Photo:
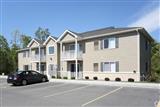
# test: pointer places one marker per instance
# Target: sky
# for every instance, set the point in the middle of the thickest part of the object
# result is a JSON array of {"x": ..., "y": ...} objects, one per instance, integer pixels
[{"x": 77, "y": 15}]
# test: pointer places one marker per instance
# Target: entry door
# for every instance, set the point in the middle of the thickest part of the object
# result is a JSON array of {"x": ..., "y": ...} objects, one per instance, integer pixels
[{"x": 73, "y": 68}]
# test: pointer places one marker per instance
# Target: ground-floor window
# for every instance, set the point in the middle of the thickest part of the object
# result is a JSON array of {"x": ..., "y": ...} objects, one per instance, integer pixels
[
  {"x": 95, "y": 67},
  {"x": 42, "y": 67},
  {"x": 109, "y": 66},
  {"x": 25, "y": 67}
]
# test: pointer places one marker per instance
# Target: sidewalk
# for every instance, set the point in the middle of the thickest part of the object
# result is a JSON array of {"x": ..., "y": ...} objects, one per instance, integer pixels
[
  {"x": 110, "y": 83},
  {"x": 3, "y": 76}
]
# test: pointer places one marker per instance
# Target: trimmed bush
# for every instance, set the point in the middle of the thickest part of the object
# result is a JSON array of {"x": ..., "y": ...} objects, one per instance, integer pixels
[
  {"x": 72, "y": 78},
  {"x": 86, "y": 77},
  {"x": 117, "y": 79},
  {"x": 107, "y": 79},
  {"x": 65, "y": 77},
  {"x": 95, "y": 78},
  {"x": 130, "y": 80},
  {"x": 53, "y": 76}
]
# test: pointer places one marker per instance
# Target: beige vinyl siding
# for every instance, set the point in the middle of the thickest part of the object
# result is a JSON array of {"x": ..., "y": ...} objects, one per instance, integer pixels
[{"x": 126, "y": 54}]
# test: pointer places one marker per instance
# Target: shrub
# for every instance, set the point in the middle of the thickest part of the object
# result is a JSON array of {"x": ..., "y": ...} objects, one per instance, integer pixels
[
  {"x": 117, "y": 79},
  {"x": 86, "y": 77},
  {"x": 72, "y": 78},
  {"x": 107, "y": 79},
  {"x": 65, "y": 77},
  {"x": 130, "y": 80},
  {"x": 95, "y": 78},
  {"x": 53, "y": 76}
]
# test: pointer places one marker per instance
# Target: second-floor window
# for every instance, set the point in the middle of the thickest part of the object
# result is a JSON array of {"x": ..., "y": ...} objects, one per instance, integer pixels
[
  {"x": 26, "y": 54},
  {"x": 51, "y": 50},
  {"x": 108, "y": 43},
  {"x": 96, "y": 45}
]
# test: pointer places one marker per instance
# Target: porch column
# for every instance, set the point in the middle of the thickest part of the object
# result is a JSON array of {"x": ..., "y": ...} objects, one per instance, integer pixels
[
  {"x": 76, "y": 58},
  {"x": 39, "y": 59},
  {"x": 60, "y": 67},
  {"x": 30, "y": 57}
]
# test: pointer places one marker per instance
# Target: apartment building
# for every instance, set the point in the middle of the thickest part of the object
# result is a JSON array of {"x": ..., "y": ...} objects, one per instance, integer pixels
[{"x": 103, "y": 54}]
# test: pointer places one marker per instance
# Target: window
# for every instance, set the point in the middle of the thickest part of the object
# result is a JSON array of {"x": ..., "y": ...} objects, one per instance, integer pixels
[
  {"x": 96, "y": 45},
  {"x": 37, "y": 66},
  {"x": 25, "y": 67},
  {"x": 37, "y": 51},
  {"x": 24, "y": 54},
  {"x": 109, "y": 66},
  {"x": 146, "y": 45},
  {"x": 51, "y": 50},
  {"x": 72, "y": 47},
  {"x": 108, "y": 43},
  {"x": 95, "y": 67}
]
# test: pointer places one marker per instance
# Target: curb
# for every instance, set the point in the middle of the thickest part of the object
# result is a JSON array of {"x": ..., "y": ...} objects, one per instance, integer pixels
[
  {"x": 110, "y": 83},
  {"x": 1, "y": 76}
]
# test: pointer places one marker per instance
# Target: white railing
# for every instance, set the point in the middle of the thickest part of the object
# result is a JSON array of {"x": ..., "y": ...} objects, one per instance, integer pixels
[
  {"x": 36, "y": 58},
  {"x": 70, "y": 54}
]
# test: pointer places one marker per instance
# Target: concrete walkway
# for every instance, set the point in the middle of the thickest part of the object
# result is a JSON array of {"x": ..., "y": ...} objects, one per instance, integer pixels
[{"x": 110, "y": 83}]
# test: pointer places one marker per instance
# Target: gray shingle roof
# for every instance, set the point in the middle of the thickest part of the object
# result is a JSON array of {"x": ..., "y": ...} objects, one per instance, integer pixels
[{"x": 102, "y": 31}]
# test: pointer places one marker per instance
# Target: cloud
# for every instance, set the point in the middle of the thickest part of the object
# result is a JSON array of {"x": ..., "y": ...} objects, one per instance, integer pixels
[{"x": 149, "y": 20}]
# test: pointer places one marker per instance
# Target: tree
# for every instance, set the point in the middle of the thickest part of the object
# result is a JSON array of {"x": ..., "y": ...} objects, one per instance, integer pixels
[
  {"x": 16, "y": 37},
  {"x": 42, "y": 34},
  {"x": 25, "y": 40},
  {"x": 155, "y": 62},
  {"x": 5, "y": 58}
]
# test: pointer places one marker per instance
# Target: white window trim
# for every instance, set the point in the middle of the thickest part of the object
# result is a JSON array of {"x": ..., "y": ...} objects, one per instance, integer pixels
[
  {"x": 109, "y": 63},
  {"x": 108, "y": 42},
  {"x": 48, "y": 49}
]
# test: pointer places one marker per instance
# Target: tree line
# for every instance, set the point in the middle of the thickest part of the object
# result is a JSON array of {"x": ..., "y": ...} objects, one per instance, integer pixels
[
  {"x": 8, "y": 51},
  {"x": 9, "y": 57}
]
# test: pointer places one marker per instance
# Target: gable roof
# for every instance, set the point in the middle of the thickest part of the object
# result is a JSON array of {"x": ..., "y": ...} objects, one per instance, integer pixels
[
  {"x": 65, "y": 32},
  {"x": 39, "y": 42},
  {"x": 50, "y": 37}
]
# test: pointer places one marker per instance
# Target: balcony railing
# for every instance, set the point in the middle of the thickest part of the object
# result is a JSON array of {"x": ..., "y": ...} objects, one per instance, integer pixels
[
  {"x": 36, "y": 58},
  {"x": 70, "y": 54}
]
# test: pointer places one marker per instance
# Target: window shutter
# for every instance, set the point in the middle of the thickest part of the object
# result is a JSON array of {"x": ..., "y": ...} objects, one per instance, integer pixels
[
  {"x": 102, "y": 44},
  {"x": 117, "y": 42},
  {"x": 101, "y": 66},
  {"x": 117, "y": 66}
]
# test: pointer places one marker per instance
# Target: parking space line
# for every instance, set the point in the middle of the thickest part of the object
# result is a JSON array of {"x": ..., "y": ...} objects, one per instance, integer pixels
[
  {"x": 91, "y": 101},
  {"x": 67, "y": 91},
  {"x": 59, "y": 85}
]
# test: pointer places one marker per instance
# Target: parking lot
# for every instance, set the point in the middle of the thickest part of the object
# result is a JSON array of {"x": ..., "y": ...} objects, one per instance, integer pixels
[{"x": 54, "y": 94}]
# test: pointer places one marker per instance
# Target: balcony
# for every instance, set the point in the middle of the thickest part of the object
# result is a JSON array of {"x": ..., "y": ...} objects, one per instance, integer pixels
[
  {"x": 35, "y": 58},
  {"x": 70, "y": 55}
]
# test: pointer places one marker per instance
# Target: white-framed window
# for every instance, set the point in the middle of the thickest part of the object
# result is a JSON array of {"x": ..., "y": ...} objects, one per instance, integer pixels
[
  {"x": 95, "y": 67},
  {"x": 96, "y": 45},
  {"x": 109, "y": 66},
  {"x": 51, "y": 50},
  {"x": 24, "y": 54},
  {"x": 109, "y": 43}
]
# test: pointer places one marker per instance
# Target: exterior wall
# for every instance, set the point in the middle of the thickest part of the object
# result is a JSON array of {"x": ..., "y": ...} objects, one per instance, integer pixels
[
  {"x": 126, "y": 54},
  {"x": 145, "y": 56},
  {"x": 34, "y": 44},
  {"x": 51, "y": 59},
  {"x": 67, "y": 38},
  {"x": 23, "y": 61}
]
